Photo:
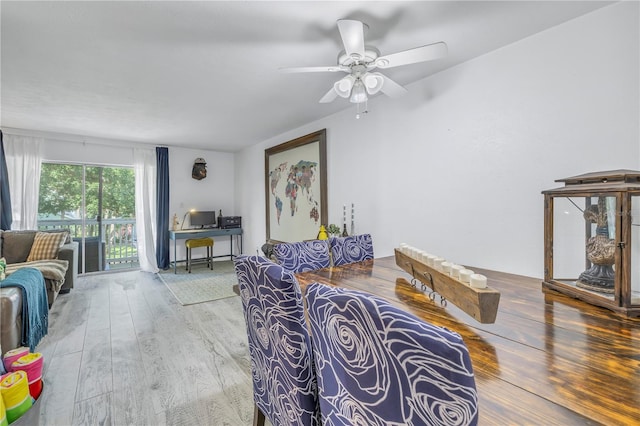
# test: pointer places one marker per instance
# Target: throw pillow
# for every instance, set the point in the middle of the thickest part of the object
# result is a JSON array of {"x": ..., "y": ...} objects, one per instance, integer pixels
[
  {"x": 65, "y": 230},
  {"x": 16, "y": 245},
  {"x": 46, "y": 245},
  {"x": 3, "y": 266}
]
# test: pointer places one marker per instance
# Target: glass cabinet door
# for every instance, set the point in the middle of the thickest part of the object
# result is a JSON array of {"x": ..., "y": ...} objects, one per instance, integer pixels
[
  {"x": 635, "y": 249},
  {"x": 584, "y": 243}
]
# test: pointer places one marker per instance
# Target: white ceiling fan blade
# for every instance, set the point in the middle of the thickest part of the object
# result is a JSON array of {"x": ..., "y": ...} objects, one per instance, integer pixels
[
  {"x": 352, "y": 33},
  {"x": 332, "y": 68},
  {"x": 330, "y": 96},
  {"x": 412, "y": 56},
  {"x": 391, "y": 88}
]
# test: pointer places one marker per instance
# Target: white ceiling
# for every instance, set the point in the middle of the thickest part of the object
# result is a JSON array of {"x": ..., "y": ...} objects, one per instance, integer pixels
[{"x": 205, "y": 74}]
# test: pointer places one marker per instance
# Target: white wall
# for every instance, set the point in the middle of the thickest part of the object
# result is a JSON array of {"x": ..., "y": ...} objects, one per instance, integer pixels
[
  {"x": 456, "y": 167},
  {"x": 215, "y": 192}
]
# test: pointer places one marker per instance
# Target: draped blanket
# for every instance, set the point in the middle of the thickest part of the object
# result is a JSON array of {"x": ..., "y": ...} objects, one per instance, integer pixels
[
  {"x": 35, "y": 309},
  {"x": 53, "y": 270}
]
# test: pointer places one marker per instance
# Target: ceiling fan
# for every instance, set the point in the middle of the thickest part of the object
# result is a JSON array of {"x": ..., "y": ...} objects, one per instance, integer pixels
[{"x": 359, "y": 61}]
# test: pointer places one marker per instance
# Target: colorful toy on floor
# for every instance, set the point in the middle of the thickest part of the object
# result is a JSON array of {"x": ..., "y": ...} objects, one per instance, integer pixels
[
  {"x": 14, "y": 388},
  {"x": 32, "y": 365}
]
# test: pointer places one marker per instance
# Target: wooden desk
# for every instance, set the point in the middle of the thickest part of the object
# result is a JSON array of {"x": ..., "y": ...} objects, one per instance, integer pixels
[
  {"x": 202, "y": 233},
  {"x": 547, "y": 360}
]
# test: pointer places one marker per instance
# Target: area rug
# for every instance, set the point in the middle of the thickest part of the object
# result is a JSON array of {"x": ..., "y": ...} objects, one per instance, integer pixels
[{"x": 202, "y": 284}]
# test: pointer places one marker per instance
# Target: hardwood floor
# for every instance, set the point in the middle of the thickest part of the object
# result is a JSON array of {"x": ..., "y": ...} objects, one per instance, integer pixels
[{"x": 122, "y": 351}]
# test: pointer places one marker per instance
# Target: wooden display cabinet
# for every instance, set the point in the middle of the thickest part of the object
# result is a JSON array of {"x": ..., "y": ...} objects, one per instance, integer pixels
[{"x": 592, "y": 239}]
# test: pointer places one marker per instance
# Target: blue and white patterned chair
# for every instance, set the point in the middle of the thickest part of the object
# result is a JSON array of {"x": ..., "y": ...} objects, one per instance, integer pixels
[
  {"x": 284, "y": 380},
  {"x": 303, "y": 256},
  {"x": 351, "y": 249},
  {"x": 379, "y": 365}
]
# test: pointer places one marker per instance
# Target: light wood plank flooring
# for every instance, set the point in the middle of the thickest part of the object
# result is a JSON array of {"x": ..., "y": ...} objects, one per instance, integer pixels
[{"x": 122, "y": 351}]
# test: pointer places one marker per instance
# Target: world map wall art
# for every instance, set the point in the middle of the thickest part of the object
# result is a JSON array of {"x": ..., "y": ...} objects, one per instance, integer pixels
[{"x": 296, "y": 188}]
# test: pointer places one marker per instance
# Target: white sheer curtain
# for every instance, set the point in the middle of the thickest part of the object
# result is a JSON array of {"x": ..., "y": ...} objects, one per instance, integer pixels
[
  {"x": 145, "y": 169},
  {"x": 24, "y": 156}
]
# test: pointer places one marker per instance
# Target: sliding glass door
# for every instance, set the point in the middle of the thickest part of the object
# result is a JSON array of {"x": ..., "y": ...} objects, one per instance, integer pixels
[{"x": 97, "y": 205}]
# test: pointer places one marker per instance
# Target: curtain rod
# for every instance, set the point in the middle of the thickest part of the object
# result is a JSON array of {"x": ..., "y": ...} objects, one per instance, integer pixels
[{"x": 63, "y": 137}]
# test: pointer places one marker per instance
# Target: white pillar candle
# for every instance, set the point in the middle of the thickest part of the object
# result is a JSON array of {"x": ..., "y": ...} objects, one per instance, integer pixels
[
  {"x": 446, "y": 267},
  {"x": 430, "y": 259},
  {"x": 455, "y": 271},
  {"x": 437, "y": 263},
  {"x": 478, "y": 281},
  {"x": 353, "y": 219},
  {"x": 403, "y": 248},
  {"x": 465, "y": 275},
  {"x": 344, "y": 215}
]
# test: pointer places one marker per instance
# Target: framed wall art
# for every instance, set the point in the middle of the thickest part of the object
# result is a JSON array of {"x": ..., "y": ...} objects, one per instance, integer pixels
[{"x": 296, "y": 188}]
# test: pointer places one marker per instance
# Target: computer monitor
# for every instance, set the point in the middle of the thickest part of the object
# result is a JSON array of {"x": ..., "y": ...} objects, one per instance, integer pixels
[{"x": 203, "y": 219}]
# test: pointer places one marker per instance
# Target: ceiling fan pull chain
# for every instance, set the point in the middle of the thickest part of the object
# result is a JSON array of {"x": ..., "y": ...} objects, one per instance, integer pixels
[{"x": 366, "y": 108}]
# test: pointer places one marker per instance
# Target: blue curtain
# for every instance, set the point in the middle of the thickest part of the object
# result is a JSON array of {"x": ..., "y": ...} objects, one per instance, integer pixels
[
  {"x": 5, "y": 197},
  {"x": 162, "y": 198}
]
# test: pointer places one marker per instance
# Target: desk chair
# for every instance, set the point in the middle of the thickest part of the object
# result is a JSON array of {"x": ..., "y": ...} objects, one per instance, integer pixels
[
  {"x": 199, "y": 242},
  {"x": 351, "y": 249},
  {"x": 284, "y": 382},
  {"x": 302, "y": 256},
  {"x": 379, "y": 365}
]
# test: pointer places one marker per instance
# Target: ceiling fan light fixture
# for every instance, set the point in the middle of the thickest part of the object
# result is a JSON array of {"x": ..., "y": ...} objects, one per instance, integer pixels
[
  {"x": 373, "y": 82},
  {"x": 344, "y": 85},
  {"x": 358, "y": 93}
]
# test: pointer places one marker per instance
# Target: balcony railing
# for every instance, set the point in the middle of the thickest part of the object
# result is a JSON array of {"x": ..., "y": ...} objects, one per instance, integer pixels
[{"x": 118, "y": 237}]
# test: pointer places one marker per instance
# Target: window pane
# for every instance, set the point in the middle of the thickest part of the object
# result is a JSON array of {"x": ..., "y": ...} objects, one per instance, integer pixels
[
  {"x": 103, "y": 222},
  {"x": 60, "y": 198}
]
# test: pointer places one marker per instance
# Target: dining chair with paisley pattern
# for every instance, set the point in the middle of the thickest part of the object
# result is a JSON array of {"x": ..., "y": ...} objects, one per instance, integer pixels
[
  {"x": 303, "y": 256},
  {"x": 379, "y": 365},
  {"x": 351, "y": 249},
  {"x": 284, "y": 380}
]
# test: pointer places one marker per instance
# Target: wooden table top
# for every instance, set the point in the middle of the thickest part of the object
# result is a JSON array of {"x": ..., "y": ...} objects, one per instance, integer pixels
[{"x": 547, "y": 360}]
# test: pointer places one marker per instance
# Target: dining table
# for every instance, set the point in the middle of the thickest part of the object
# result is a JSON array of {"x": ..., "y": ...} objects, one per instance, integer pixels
[{"x": 546, "y": 360}]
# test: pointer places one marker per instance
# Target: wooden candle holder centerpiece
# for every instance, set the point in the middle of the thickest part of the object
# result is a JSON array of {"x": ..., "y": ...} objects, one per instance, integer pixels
[{"x": 479, "y": 303}]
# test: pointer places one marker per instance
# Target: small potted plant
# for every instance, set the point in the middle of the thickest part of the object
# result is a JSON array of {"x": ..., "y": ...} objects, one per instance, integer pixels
[{"x": 333, "y": 230}]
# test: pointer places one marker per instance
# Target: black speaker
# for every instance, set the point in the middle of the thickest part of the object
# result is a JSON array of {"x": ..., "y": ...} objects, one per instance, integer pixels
[{"x": 228, "y": 222}]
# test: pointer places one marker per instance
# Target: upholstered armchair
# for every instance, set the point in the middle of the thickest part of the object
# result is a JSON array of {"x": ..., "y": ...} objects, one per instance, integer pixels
[
  {"x": 379, "y": 365},
  {"x": 302, "y": 256},
  {"x": 351, "y": 249},
  {"x": 284, "y": 381}
]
